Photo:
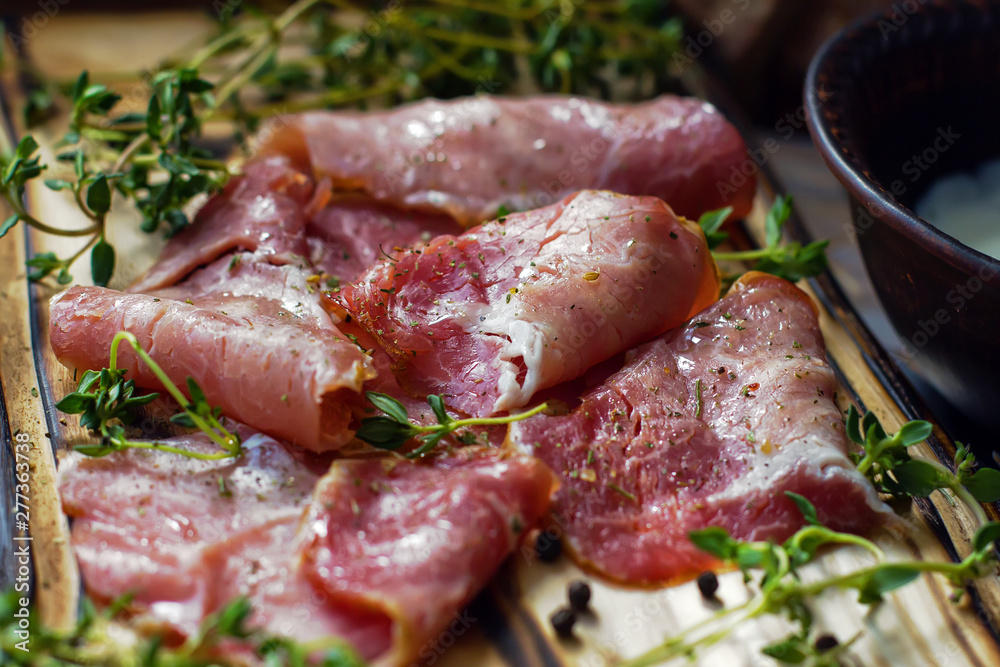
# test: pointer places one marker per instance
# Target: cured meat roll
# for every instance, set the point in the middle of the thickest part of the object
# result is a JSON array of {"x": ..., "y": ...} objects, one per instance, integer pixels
[
  {"x": 252, "y": 335},
  {"x": 707, "y": 426},
  {"x": 260, "y": 211},
  {"x": 525, "y": 302},
  {"x": 277, "y": 213},
  {"x": 470, "y": 156}
]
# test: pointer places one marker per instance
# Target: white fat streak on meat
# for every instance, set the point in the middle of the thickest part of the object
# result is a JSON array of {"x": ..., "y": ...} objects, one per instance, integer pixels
[
  {"x": 529, "y": 340},
  {"x": 539, "y": 336},
  {"x": 242, "y": 275}
]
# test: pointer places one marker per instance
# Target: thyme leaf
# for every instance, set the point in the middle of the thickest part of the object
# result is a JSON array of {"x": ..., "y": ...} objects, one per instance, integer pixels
[
  {"x": 105, "y": 401},
  {"x": 393, "y": 429},
  {"x": 791, "y": 261}
]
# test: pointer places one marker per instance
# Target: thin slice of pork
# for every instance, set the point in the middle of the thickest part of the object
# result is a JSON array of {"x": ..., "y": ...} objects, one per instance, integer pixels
[
  {"x": 708, "y": 425},
  {"x": 470, "y": 156},
  {"x": 251, "y": 334},
  {"x": 534, "y": 299}
]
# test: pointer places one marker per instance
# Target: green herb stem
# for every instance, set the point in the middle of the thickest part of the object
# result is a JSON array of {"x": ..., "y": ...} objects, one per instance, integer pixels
[
  {"x": 14, "y": 201},
  {"x": 211, "y": 427},
  {"x": 127, "y": 154},
  {"x": 853, "y": 580},
  {"x": 487, "y": 8},
  {"x": 493, "y": 421},
  {"x": 42, "y": 227},
  {"x": 518, "y": 46},
  {"x": 831, "y": 536},
  {"x": 222, "y": 43},
  {"x": 394, "y": 428},
  {"x": 98, "y": 220},
  {"x": 742, "y": 255},
  {"x": 75, "y": 256},
  {"x": 679, "y": 646},
  {"x": 159, "y": 446},
  {"x": 262, "y": 50},
  {"x": 100, "y": 134}
]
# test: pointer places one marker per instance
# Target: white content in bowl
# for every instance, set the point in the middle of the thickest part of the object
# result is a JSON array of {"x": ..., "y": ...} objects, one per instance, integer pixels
[{"x": 967, "y": 206}]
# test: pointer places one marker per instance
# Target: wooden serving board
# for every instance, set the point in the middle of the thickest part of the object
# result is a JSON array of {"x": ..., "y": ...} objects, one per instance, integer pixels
[{"x": 508, "y": 623}]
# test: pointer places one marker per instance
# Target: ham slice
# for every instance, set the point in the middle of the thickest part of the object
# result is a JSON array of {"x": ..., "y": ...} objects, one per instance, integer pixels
[
  {"x": 534, "y": 299},
  {"x": 349, "y": 234},
  {"x": 251, "y": 334},
  {"x": 381, "y": 553},
  {"x": 467, "y": 157},
  {"x": 260, "y": 211},
  {"x": 419, "y": 541},
  {"x": 143, "y": 519},
  {"x": 707, "y": 425},
  {"x": 276, "y": 213}
]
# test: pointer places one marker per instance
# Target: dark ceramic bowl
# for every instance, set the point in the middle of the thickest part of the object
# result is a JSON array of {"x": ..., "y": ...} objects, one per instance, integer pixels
[{"x": 896, "y": 102}]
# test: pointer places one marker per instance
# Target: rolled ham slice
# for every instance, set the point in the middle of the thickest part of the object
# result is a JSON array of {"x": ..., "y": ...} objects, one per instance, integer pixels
[
  {"x": 490, "y": 317},
  {"x": 470, "y": 156},
  {"x": 252, "y": 335},
  {"x": 708, "y": 425}
]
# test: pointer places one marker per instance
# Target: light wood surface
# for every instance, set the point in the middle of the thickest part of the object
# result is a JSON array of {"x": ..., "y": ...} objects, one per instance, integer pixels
[{"x": 917, "y": 626}]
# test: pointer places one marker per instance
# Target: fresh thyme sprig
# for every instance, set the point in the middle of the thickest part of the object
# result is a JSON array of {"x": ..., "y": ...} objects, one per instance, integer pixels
[
  {"x": 884, "y": 454},
  {"x": 104, "y": 397},
  {"x": 791, "y": 261},
  {"x": 92, "y": 642},
  {"x": 780, "y": 589},
  {"x": 315, "y": 54},
  {"x": 782, "y": 592},
  {"x": 394, "y": 429}
]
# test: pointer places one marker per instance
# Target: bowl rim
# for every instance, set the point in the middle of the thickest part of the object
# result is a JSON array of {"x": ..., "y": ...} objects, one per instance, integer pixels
[{"x": 838, "y": 156}]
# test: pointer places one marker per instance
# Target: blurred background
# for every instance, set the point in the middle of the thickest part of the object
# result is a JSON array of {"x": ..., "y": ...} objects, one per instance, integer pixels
[{"x": 765, "y": 46}]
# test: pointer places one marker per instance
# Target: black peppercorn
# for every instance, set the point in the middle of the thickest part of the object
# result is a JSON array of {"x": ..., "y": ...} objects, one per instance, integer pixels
[
  {"x": 826, "y": 642},
  {"x": 548, "y": 548},
  {"x": 563, "y": 621},
  {"x": 708, "y": 584},
  {"x": 579, "y": 595}
]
